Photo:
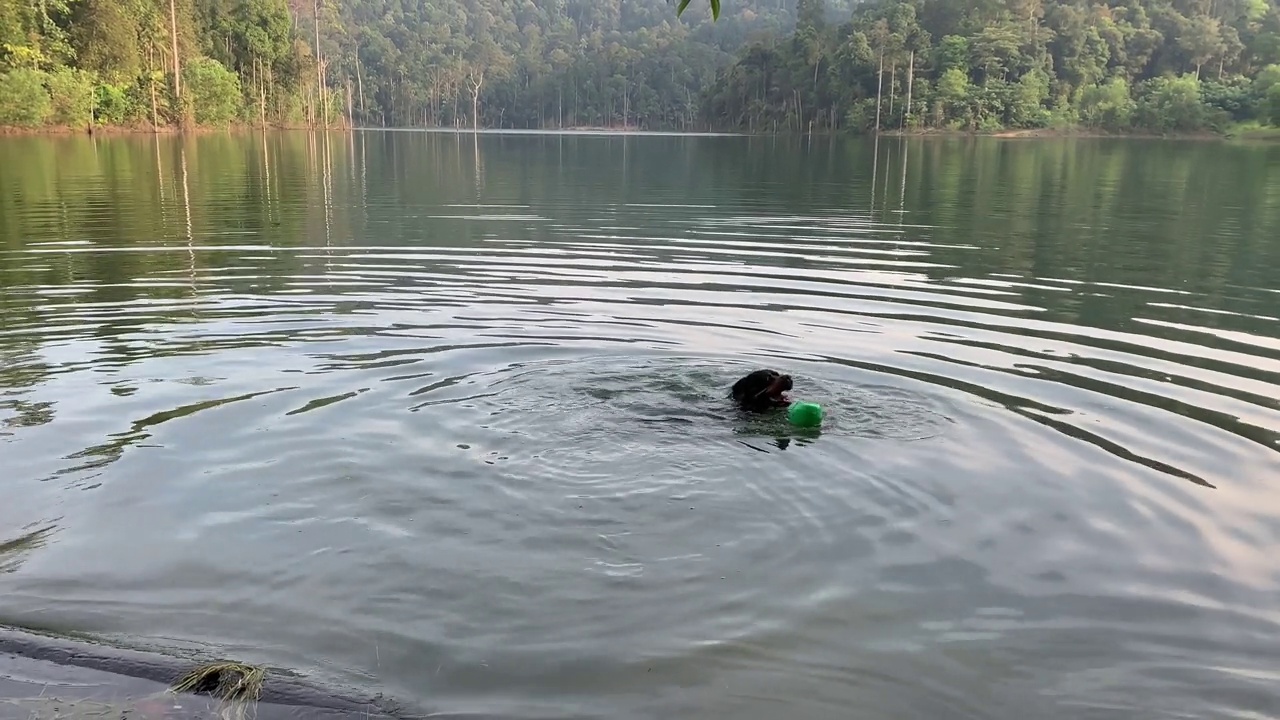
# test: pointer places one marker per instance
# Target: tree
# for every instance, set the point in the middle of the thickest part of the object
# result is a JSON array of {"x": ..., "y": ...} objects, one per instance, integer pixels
[
  {"x": 105, "y": 38},
  {"x": 214, "y": 91},
  {"x": 1202, "y": 41},
  {"x": 1108, "y": 106},
  {"x": 23, "y": 100},
  {"x": 953, "y": 97},
  {"x": 1172, "y": 104},
  {"x": 71, "y": 95},
  {"x": 1116, "y": 65},
  {"x": 760, "y": 65}
]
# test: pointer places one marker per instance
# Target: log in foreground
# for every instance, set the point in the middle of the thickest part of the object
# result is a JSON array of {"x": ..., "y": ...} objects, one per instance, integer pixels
[{"x": 64, "y": 671}]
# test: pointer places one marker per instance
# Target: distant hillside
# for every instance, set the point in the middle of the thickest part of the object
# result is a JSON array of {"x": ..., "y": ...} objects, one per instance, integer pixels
[{"x": 1116, "y": 65}]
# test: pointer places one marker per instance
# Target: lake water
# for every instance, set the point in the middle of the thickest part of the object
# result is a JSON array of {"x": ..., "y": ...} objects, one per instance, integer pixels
[{"x": 443, "y": 416}]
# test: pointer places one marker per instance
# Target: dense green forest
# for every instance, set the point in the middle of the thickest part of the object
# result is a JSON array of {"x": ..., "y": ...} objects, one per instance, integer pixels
[
  {"x": 510, "y": 63},
  {"x": 763, "y": 65},
  {"x": 1118, "y": 65}
]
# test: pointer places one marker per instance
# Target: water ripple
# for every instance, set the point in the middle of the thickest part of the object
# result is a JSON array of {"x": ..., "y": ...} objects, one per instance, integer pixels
[{"x": 460, "y": 429}]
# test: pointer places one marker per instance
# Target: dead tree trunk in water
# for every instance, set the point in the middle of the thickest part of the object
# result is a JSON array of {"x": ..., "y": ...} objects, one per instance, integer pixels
[
  {"x": 321, "y": 114},
  {"x": 893, "y": 85},
  {"x": 911, "y": 74},
  {"x": 350, "y": 123},
  {"x": 177, "y": 64},
  {"x": 151, "y": 83},
  {"x": 360, "y": 90},
  {"x": 879, "y": 85},
  {"x": 477, "y": 80}
]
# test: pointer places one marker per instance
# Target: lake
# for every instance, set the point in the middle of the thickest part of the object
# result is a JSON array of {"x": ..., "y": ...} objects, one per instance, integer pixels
[{"x": 444, "y": 417}]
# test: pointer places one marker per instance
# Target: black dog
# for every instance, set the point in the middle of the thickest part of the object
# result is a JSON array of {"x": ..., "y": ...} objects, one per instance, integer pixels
[{"x": 761, "y": 390}]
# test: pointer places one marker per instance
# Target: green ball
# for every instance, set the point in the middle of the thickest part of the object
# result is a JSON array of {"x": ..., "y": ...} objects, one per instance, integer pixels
[{"x": 805, "y": 414}]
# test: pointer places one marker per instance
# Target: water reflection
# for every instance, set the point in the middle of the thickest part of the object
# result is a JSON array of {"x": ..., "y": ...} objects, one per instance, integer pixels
[
  {"x": 12, "y": 551},
  {"x": 451, "y": 409}
]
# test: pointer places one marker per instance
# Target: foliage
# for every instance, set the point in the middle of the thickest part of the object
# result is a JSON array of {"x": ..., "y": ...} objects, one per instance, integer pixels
[
  {"x": 1027, "y": 109},
  {"x": 952, "y": 98},
  {"x": 1116, "y": 65},
  {"x": 762, "y": 65},
  {"x": 1271, "y": 106},
  {"x": 1266, "y": 91},
  {"x": 24, "y": 102},
  {"x": 1108, "y": 106},
  {"x": 71, "y": 95},
  {"x": 115, "y": 59},
  {"x": 215, "y": 91},
  {"x": 113, "y": 105},
  {"x": 1172, "y": 104},
  {"x": 525, "y": 63},
  {"x": 1233, "y": 96}
]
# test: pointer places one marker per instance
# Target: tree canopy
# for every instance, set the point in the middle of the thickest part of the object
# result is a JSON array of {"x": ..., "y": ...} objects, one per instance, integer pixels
[
  {"x": 1120, "y": 65},
  {"x": 762, "y": 65}
]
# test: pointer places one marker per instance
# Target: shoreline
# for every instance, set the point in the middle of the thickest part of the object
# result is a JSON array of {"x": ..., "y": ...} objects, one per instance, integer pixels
[
  {"x": 116, "y": 130},
  {"x": 1239, "y": 132},
  {"x": 1048, "y": 134},
  {"x": 1247, "y": 132}
]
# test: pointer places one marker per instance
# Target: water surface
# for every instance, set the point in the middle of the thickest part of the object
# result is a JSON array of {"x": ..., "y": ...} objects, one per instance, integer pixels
[{"x": 443, "y": 416}]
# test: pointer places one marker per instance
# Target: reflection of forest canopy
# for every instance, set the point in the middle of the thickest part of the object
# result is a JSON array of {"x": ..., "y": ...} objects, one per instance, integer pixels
[
  {"x": 1195, "y": 217},
  {"x": 13, "y": 551},
  {"x": 1115, "y": 64}
]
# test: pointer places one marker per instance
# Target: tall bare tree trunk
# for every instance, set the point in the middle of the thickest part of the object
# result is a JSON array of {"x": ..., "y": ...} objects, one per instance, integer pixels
[
  {"x": 151, "y": 82},
  {"x": 476, "y": 82},
  {"x": 911, "y": 75},
  {"x": 349, "y": 123},
  {"x": 322, "y": 115},
  {"x": 261, "y": 99},
  {"x": 360, "y": 89},
  {"x": 177, "y": 63},
  {"x": 893, "y": 84},
  {"x": 879, "y": 85}
]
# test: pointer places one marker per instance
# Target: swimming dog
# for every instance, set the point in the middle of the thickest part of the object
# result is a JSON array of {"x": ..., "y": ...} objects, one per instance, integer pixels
[{"x": 761, "y": 390}]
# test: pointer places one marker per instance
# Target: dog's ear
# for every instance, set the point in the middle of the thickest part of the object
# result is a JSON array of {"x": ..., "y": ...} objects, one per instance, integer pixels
[
  {"x": 753, "y": 383},
  {"x": 749, "y": 383}
]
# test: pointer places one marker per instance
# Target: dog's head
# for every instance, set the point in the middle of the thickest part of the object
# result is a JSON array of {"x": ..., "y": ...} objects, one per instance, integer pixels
[{"x": 762, "y": 389}]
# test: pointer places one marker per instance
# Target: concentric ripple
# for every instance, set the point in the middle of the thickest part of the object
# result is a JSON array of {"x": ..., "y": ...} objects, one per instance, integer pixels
[{"x": 446, "y": 416}]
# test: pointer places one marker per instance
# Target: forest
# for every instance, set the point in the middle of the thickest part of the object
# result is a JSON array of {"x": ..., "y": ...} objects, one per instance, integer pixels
[{"x": 1152, "y": 66}]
